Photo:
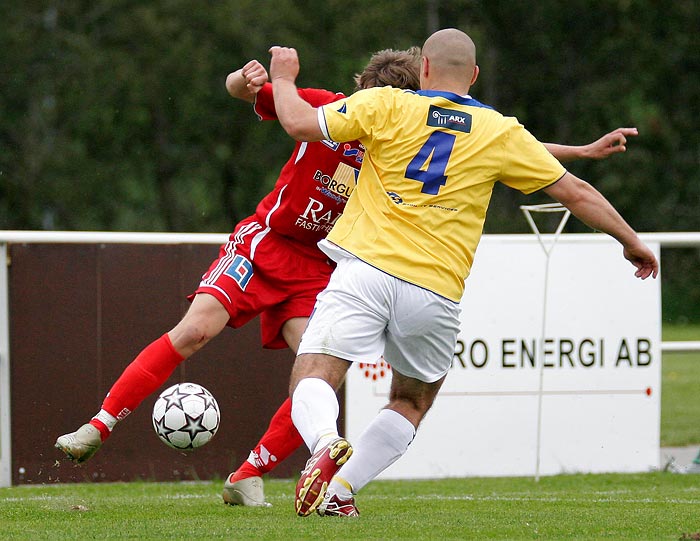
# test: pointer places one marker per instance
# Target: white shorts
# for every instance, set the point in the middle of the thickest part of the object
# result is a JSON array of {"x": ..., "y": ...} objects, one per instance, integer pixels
[{"x": 365, "y": 313}]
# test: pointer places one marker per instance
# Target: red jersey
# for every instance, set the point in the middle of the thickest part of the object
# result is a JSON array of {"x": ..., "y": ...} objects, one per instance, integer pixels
[
  {"x": 271, "y": 266},
  {"x": 314, "y": 185}
]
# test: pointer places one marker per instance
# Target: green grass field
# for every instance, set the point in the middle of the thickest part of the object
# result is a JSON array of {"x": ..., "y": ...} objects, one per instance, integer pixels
[
  {"x": 648, "y": 506},
  {"x": 680, "y": 388}
]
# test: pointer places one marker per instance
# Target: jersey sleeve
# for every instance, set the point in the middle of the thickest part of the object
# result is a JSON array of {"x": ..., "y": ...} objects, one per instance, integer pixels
[
  {"x": 265, "y": 104},
  {"x": 354, "y": 117},
  {"x": 528, "y": 166}
]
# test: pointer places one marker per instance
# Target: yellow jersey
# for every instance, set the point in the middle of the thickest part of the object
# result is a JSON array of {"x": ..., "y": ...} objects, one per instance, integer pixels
[{"x": 432, "y": 159}]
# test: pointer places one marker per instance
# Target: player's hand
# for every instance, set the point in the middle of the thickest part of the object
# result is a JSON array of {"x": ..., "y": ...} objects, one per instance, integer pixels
[
  {"x": 284, "y": 63},
  {"x": 644, "y": 259},
  {"x": 255, "y": 76},
  {"x": 610, "y": 143}
]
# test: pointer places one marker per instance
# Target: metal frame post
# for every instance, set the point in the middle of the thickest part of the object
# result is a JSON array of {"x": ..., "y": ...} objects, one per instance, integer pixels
[
  {"x": 527, "y": 210},
  {"x": 5, "y": 431}
]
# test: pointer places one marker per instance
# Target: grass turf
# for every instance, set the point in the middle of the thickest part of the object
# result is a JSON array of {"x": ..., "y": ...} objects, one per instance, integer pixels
[
  {"x": 632, "y": 506},
  {"x": 649, "y": 506},
  {"x": 680, "y": 381}
]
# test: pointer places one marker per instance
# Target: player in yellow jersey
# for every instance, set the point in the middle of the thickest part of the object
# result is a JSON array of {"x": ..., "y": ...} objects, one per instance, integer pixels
[{"x": 404, "y": 247}]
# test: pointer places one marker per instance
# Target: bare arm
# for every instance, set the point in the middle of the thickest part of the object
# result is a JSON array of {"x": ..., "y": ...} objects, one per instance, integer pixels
[
  {"x": 610, "y": 143},
  {"x": 245, "y": 83},
  {"x": 589, "y": 205},
  {"x": 298, "y": 118}
]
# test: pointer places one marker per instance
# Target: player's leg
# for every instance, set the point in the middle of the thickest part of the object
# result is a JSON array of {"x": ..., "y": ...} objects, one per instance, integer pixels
[
  {"x": 292, "y": 330},
  {"x": 205, "y": 319},
  {"x": 281, "y": 439},
  {"x": 382, "y": 443},
  {"x": 420, "y": 344},
  {"x": 300, "y": 277},
  {"x": 315, "y": 379},
  {"x": 349, "y": 320}
]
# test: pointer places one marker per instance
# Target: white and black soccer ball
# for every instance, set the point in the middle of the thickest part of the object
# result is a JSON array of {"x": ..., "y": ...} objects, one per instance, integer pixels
[{"x": 186, "y": 416}]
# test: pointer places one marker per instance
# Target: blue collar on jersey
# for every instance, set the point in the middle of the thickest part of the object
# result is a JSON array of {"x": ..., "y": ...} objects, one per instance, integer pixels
[{"x": 456, "y": 98}]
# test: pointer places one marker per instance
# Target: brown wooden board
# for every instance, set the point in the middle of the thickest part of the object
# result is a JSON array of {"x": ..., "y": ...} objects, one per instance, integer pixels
[{"x": 79, "y": 313}]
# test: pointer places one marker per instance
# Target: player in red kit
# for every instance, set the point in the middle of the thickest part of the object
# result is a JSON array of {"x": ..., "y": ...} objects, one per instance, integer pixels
[{"x": 270, "y": 267}]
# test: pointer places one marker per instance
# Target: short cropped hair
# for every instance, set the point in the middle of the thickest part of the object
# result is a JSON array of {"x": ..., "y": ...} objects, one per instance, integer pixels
[{"x": 400, "y": 69}]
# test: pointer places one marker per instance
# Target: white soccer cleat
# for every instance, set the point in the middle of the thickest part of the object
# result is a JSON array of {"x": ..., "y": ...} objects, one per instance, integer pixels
[
  {"x": 80, "y": 445},
  {"x": 247, "y": 492}
]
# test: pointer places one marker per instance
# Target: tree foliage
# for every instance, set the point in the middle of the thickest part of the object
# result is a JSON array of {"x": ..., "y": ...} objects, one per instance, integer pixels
[{"x": 115, "y": 116}]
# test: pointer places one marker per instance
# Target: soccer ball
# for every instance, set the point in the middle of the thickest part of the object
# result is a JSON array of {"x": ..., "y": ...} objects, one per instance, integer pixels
[{"x": 186, "y": 416}]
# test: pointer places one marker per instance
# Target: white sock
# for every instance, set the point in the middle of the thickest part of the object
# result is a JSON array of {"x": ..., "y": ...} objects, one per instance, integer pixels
[
  {"x": 315, "y": 412},
  {"x": 382, "y": 443},
  {"x": 108, "y": 419}
]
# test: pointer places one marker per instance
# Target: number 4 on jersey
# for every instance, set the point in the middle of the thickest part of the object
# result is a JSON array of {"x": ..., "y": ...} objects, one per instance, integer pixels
[{"x": 429, "y": 165}]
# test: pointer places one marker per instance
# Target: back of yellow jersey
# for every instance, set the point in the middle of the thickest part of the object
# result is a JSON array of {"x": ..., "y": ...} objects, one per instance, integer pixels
[{"x": 426, "y": 180}]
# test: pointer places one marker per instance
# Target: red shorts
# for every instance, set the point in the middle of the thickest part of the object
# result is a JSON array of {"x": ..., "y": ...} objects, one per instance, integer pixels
[{"x": 259, "y": 272}]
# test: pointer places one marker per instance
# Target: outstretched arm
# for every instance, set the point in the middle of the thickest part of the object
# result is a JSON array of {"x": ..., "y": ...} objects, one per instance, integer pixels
[
  {"x": 298, "y": 118},
  {"x": 589, "y": 205},
  {"x": 610, "y": 143},
  {"x": 246, "y": 82}
]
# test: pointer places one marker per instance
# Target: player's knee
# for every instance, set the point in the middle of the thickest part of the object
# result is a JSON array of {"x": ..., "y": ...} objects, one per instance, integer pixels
[
  {"x": 330, "y": 369},
  {"x": 412, "y": 407},
  {"x": 190, "y": 336}
]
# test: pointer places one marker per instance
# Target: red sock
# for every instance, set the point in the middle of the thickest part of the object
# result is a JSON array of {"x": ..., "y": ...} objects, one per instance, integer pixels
[
  {"x": 148, "y": 371},
  {"x": 281, "y": 440},
  {"x": 99, "y": 425}
]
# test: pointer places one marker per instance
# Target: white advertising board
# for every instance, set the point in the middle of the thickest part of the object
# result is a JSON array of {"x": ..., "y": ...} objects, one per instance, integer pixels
[{"x": 577, "y": 390}]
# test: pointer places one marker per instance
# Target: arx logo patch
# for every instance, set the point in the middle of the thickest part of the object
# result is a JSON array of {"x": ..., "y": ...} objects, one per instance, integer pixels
[{"x": 439, "y": 117}]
